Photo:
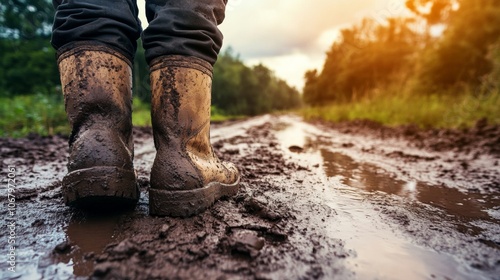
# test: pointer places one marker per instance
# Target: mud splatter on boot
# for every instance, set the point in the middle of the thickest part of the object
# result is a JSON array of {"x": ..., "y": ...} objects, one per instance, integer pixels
[
  {"x": 187, "y": 177},
  {"x": 97, "y": 84}
]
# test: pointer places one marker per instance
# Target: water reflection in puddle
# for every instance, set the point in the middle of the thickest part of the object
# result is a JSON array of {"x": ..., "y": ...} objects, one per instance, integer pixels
[
  {"x": 463, "y": 207},
  {"x": 88, "y": 235},
  {"x": 300, "y": 138},
  {"x": 381, "y": 251}
]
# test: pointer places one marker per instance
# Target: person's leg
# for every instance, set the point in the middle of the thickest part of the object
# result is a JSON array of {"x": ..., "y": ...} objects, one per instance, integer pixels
[
  {"x": 187, "y": 28},
  {"x": 95, "y": 42},
  {"x": 182, "y": 43},
  {"x": 114, "y": 24}
]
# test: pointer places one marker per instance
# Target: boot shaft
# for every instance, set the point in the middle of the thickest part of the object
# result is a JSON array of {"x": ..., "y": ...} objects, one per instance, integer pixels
[
  {"x": 181, "y": 95},
  {"x": 97, "y": 87},
  {"x": 186, "y": 177}
]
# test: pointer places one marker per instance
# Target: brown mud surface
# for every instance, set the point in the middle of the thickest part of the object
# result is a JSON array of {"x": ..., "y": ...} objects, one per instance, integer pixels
[{"x": 344, "y": 201}]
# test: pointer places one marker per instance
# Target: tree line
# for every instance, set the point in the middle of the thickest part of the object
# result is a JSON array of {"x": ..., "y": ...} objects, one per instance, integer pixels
[
  {"x": 448, "y": 46},
  {"x": 239, "y": 89}
]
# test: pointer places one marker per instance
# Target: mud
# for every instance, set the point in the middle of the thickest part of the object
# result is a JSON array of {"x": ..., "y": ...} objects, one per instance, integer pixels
[{"x": 350, "y": 201}]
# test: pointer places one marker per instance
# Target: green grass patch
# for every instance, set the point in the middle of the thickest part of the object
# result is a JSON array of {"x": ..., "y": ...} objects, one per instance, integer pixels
[
  {"x": 217, "y": 115},
  {"x": 141, "y": 113},
  {"x": 40, "y": 113},
  {"x": 44, "y": 114},
  {"x": 426, "y": 111}
]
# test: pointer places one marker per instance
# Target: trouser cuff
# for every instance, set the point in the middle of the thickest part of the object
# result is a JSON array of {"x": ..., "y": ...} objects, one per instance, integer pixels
[
  {"x": 181, "y": 61},
  {"x": 81, "y": 46}
]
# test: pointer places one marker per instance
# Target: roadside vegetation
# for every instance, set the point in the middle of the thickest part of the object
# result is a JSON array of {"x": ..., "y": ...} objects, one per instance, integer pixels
[
  {"x": 426, "y": 111},
  {"x": 437, "y": 68},
  {"x": 44, "y": 114}
]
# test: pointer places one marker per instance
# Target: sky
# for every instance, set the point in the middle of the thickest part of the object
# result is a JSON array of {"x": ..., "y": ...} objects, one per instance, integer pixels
[{"x": 292, "y": 36}]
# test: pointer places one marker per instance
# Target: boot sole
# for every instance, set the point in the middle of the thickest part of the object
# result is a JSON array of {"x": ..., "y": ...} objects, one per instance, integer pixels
[
  {"x": 188, "y": 202},
  {"x": 101, "y": 186}
]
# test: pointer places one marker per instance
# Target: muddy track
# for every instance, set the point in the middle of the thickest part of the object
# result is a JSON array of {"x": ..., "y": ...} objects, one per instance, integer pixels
[{"x": 350, "y": 201}]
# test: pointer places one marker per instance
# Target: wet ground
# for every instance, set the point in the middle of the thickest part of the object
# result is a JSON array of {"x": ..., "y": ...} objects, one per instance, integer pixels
[{"x": 344, "y": 201}]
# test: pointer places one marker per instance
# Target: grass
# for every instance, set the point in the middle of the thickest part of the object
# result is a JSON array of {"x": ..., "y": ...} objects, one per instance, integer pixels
[
  {"x": 217, "y": 115},
  {"x": 44, "y": 114},
  {"x": 426, "y": 111},
  {"x": 41, "y": 114},
  {"x": 141, "y": 113}
]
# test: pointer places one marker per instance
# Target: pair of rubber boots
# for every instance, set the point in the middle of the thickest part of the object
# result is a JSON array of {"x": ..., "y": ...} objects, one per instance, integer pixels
[{"x": 186, "y": 177}]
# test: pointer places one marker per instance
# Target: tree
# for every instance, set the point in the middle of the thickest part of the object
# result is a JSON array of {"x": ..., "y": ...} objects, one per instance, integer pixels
[
  {"x": 27, "y": 61},
  {"x": 241, "y": 90},
  {"x": 25, "y": 28},
  {"x": 141, "y": 86},
  {"x": 367, "y": 56},
  {"x": 26, "y": 19},
  {"x": 462, "y": 55},
  {"x": 433, "y": 11}
]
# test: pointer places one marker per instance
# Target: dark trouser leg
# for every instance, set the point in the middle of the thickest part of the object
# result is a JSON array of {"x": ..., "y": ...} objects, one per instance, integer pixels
[
  {"x": 183, "y": 27},
  {"x": 112, "y": 23}
]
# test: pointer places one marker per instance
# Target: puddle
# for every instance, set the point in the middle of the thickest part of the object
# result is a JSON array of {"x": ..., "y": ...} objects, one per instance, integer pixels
[
  {"x": 461, "y": 207},
  {"x": 302, "y": 140},
  {"x": 382, "y": 251},
  {"x": 86, "y": 236}
]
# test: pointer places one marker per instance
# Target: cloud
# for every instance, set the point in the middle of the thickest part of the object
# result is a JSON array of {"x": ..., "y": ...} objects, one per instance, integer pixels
[
  {"x": 261, "y": 28},
  {"x": 290, "y": 67},
  {"x": 292, "y": 36}
]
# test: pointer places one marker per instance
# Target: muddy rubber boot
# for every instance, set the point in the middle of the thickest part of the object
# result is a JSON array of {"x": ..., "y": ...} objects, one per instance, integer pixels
[
  {"x": 187, "y": 177},
  {"x": 96, "y": 84}
]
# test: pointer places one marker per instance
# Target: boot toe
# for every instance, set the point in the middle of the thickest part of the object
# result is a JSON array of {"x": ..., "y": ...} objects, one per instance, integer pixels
[{"x": 232, "y": 173}]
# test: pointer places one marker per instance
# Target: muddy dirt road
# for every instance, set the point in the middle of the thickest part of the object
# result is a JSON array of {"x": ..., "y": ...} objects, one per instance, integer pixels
[{"x": 349, "y": 201}]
